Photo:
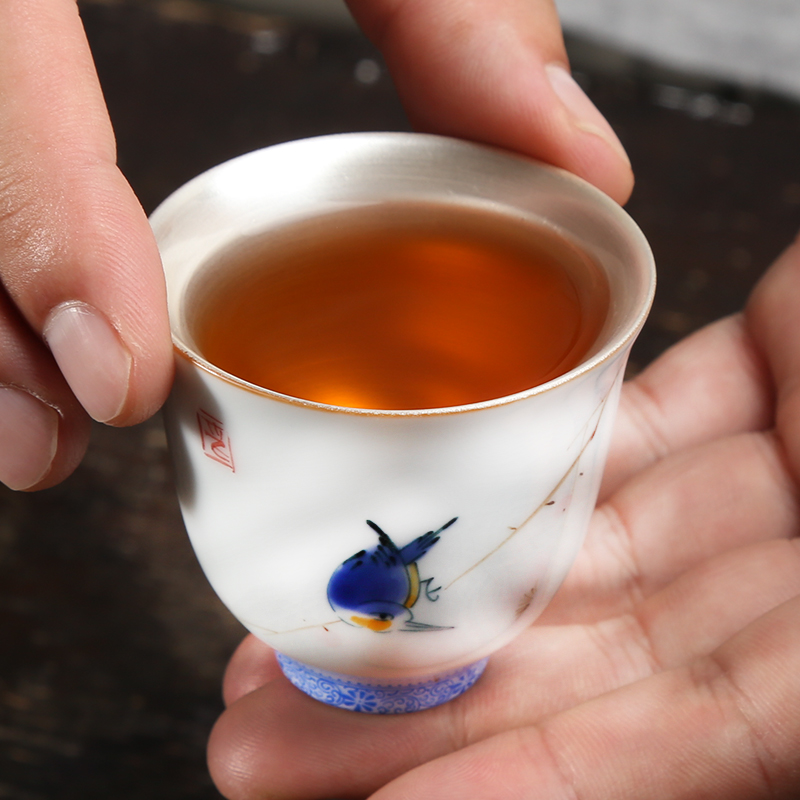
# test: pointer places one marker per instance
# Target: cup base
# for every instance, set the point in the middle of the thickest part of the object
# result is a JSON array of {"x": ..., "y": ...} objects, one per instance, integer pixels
[{"x": 372, "y": 695}]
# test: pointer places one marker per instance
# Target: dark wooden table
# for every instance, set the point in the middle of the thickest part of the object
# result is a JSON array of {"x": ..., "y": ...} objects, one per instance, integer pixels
[{"x": 112, "y": 643}]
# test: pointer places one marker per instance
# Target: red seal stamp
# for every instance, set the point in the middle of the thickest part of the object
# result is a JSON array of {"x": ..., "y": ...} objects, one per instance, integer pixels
[{"x": 216, "y": 444}]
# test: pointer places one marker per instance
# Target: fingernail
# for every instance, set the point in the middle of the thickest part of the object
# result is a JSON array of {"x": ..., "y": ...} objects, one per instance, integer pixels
[
  {"x": 29, "y": 436},
  {"x": 91, "y": 357},
  {"x": 584, "y": 112}
]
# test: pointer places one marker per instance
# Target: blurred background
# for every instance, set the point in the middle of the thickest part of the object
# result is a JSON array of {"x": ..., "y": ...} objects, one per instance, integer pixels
[{"x": 113, "y": 646}]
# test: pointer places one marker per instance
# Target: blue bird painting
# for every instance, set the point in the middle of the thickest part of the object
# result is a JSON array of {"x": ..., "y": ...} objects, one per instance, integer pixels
[{"x": 376, "y": 588}]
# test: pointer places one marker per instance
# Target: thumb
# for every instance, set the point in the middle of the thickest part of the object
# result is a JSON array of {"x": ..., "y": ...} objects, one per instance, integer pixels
[{"x": 77, "y": 257}]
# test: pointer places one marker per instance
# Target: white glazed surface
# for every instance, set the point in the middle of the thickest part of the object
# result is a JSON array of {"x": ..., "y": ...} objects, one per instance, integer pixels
[{"x": 287, "y": 503}]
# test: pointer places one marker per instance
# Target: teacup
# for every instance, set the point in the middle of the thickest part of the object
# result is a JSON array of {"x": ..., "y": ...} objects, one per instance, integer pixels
[{"x": 385, "y": 552}]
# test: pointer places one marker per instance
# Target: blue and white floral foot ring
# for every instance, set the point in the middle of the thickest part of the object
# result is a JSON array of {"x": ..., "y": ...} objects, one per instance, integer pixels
[{"x": 374, "y": 696}]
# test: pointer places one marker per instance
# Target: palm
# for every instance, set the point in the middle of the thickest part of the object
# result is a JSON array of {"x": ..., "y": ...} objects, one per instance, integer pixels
[{"x": 646, "y": 675}]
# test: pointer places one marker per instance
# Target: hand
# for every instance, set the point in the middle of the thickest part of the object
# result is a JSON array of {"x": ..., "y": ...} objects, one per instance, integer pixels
[
  {"x": 83, "y": 326},
  {"x": 666, "y": 666}
]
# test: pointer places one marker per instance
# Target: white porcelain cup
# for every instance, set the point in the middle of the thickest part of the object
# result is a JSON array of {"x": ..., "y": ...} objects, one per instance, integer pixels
[{"x": 386, "y": 554}]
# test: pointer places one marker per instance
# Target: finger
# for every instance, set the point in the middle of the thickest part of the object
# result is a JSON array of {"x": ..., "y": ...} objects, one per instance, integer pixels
[
  {"x": 43, "y": 429},
  {"x": 258, "y": 740},
  {"x": 496, "y": 73},
  {"x": 78, "y": 257},
  {"x": 252, "y": 665},
  {"x": 687, "y": 619},
  {"x": 725, "y": 726},
  {"x": 772, "y": 316},
  {"x": 686, "y": 508},
  {"x": 712, "y": 384},
  {"x": 712, "y": 602}
]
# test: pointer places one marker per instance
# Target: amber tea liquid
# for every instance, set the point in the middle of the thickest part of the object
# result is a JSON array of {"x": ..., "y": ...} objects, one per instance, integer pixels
[{"x": 398, "y": 306}]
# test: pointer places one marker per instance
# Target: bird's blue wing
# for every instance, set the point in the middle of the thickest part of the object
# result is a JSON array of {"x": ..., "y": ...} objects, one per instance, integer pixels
[{"x": 416, "y": 549}]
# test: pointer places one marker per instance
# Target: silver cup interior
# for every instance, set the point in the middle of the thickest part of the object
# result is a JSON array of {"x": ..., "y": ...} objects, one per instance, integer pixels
[{"x": 267, "y": 189}]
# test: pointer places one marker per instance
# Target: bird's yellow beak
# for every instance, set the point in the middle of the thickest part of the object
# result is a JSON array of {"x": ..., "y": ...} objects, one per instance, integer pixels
[{"x": 373, "y": 624}]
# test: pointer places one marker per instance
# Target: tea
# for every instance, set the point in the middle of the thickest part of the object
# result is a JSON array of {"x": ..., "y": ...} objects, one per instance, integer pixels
[{"x": 400, "y": 306}]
